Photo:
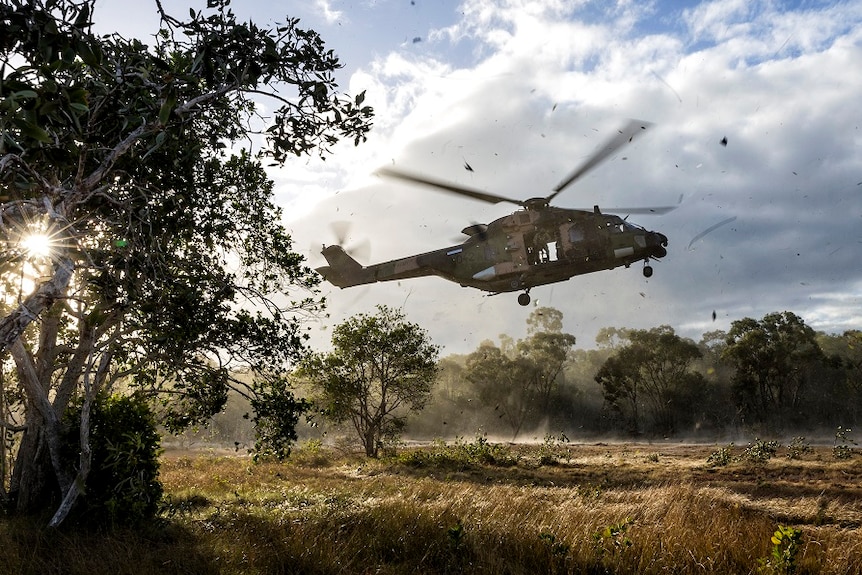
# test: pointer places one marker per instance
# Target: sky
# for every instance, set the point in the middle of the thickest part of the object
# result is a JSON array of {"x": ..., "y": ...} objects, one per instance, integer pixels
[{"x": 523, "y": 91}]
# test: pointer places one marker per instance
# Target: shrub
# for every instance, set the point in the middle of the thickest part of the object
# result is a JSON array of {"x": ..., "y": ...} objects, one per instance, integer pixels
[
  {"x": 797, "y": 448},
  {"x": 461, "y": 455},
  {"x": 123, "y": 486},
  {"x": 722, "y": 457},
  {"x": 840, "y": 447},
  {"x": 760, "y": 451}
]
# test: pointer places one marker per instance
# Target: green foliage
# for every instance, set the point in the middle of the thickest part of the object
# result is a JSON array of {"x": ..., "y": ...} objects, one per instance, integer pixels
[
  {"x": 170, "y": 264},
  {"x": 760, "y": 451},
  {"x": 553, "y": 448},
  {"x": 613, "y": 539},
  {"x": 721, "y": 457},
  {"x": 797, "y": 448},
  {"x": 558, "y": 549},
  {"x": 786, "y": 544},
  {"x": 773, "y": 358},
  {"x": 841, "y": 448},
  {"x": 653, "y": 371},
  {"x": 519, "y": 378},
  {"x": 122, "y": 487},
  {"x": 456, "y": 536},
  {"x": 276, "y": 413},
  {"x": 460, "y": 455},
  {"x": 381, "y": 367}
]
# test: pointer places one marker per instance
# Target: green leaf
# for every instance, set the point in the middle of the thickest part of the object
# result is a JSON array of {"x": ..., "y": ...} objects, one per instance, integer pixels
[
  {"x": 166, "y": 109},
  {"x": 25, "y": 94},
  {"x": 35, "y": 132}
]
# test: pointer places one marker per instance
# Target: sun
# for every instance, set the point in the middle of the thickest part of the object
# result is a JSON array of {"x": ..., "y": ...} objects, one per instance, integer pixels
[{"x": 37, "y": 245}]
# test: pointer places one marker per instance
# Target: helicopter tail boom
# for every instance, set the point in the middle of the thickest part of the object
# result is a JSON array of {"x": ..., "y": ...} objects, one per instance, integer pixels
[{"x": 344, "y": 271}]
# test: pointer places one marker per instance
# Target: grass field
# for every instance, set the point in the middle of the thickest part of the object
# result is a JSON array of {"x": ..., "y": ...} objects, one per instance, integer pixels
[{"x": 478, "y": 507}]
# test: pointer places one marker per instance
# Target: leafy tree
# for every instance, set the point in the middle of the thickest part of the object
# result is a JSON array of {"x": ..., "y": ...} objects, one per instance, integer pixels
[
  {"x": 653, "y": 371},
  {"x": 773, "y": 359},
  {"x": 504, "y": 382},
  {"x": 381, "y": 367},
  {"x": 547, "y": 348},
  {"x": 166, "y": 258},
  {"x": 519, "y": 378}
]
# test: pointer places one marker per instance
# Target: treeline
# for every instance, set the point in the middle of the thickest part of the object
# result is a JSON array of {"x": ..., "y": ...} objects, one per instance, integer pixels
[{"x": 770, "y": 376}]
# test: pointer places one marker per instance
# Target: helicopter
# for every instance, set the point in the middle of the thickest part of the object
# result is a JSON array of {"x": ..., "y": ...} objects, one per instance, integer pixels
[{"x": 536, "y": 245}]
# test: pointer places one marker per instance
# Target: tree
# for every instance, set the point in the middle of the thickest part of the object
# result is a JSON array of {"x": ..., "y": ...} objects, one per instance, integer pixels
[
  {"x": 381, "y": 368},
  {"x": 161, "y": 259},
  {"x": 547, "y": 348},
  {"x": 519, "y": 377},
  {"x": 772, "y": 360},
  {"x": 507, "y": 383},
  {"x": 652, "y": 371}
]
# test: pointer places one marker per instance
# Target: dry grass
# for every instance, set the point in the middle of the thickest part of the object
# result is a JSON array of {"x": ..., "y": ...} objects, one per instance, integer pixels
[{"x": 597, "y": 509}]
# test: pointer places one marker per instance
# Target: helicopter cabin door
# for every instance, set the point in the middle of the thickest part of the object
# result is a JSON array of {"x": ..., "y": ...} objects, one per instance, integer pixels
[{"x": 541, "y": 246}]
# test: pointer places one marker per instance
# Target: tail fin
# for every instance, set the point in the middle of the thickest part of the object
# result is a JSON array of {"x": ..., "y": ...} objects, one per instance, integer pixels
[{"x": 344, "y": 271}]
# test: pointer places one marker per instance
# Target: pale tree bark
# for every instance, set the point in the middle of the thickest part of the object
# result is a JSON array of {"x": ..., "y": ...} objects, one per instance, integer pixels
[{"x": 14, "y": 324}]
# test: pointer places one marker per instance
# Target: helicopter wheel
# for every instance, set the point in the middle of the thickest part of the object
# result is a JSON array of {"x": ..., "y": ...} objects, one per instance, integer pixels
[
  {"x": 647, "y": 271},
  {"x": 524, "y": 299}
]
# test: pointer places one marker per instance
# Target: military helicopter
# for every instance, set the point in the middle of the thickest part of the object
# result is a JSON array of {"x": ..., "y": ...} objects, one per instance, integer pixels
[{"x": 536, "y": 245}]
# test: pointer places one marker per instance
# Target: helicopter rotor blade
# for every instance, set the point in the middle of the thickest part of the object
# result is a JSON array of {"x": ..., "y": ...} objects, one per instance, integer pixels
[
  {"x": 358, "y": 249},
  {"x": 341, "y": 229},
  {"x": 656, "y": 210},
  {"x": 447, "y": 187},
  {"x": 625, "y": 134}
]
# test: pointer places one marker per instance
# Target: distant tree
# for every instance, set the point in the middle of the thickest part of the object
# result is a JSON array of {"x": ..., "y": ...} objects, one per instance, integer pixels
[
  {"x": 166, "y": 263},
  {"x": 545, "y": 320},
  {"x": 519, "y": 377},
  {"x": 651, "y": 373},
  {"x": 773, "y": 360},
  {"x": 611, "y": 338},
  {"x": 505, "y": 384},
  {"x": 547, "y": 348},
  {"x": 839, "y": 381},
  {"x": 381, "y": 367}
]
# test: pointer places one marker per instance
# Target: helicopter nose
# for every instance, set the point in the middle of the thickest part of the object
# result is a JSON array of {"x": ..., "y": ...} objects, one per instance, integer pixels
[{"x": 658, "y": 242}]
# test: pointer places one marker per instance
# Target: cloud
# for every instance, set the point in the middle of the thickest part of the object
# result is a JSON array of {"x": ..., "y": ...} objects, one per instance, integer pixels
[
  {"x": 542, "y": 84},
  {"x": 329, "y": 14}
]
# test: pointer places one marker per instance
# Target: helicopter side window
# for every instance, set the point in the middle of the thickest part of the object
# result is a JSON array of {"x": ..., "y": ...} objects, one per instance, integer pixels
[{"x": 576, "y": 234}]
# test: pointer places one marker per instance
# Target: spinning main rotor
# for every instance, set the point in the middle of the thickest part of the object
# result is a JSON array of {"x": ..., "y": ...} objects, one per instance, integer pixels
[{"x": 624, "y": 135}]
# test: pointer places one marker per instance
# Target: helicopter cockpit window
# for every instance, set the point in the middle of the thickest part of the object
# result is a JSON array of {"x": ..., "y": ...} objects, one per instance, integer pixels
[{"x": 619, "y": 226}]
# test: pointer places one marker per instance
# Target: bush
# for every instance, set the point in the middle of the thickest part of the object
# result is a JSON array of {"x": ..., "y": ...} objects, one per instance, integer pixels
[
  {"x": 760, "y": 451},
  {"x": 721, "y": 457},
  {"x": 123, "y": 486},
  {"x": 461, "y": 455}
]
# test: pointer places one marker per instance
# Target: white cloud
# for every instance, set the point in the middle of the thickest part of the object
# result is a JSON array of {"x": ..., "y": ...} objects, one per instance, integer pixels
[
  {"x": 549, "y": 83},
  {"x": 329, "y": 14}
]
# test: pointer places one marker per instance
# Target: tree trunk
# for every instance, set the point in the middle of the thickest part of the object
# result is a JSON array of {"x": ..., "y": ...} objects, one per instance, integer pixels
[
  {"x": 33, "y": 485},
  {"x": 13, "y": 325},
  {"x": 369, "y": 441}
]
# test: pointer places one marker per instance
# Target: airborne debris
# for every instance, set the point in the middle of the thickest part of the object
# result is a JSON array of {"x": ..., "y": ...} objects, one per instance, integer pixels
[
  {"x": 467, "y": 166},
  {"x": 723, "y": 141},
  {"x": 710, "y": 229},
  {"x": 417, "y": 39}
]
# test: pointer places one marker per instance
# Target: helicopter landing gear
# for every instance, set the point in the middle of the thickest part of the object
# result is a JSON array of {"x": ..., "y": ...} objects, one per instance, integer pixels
[
  {"x": 524, "y": 298},
  {"x": 647, "y": 271}
]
